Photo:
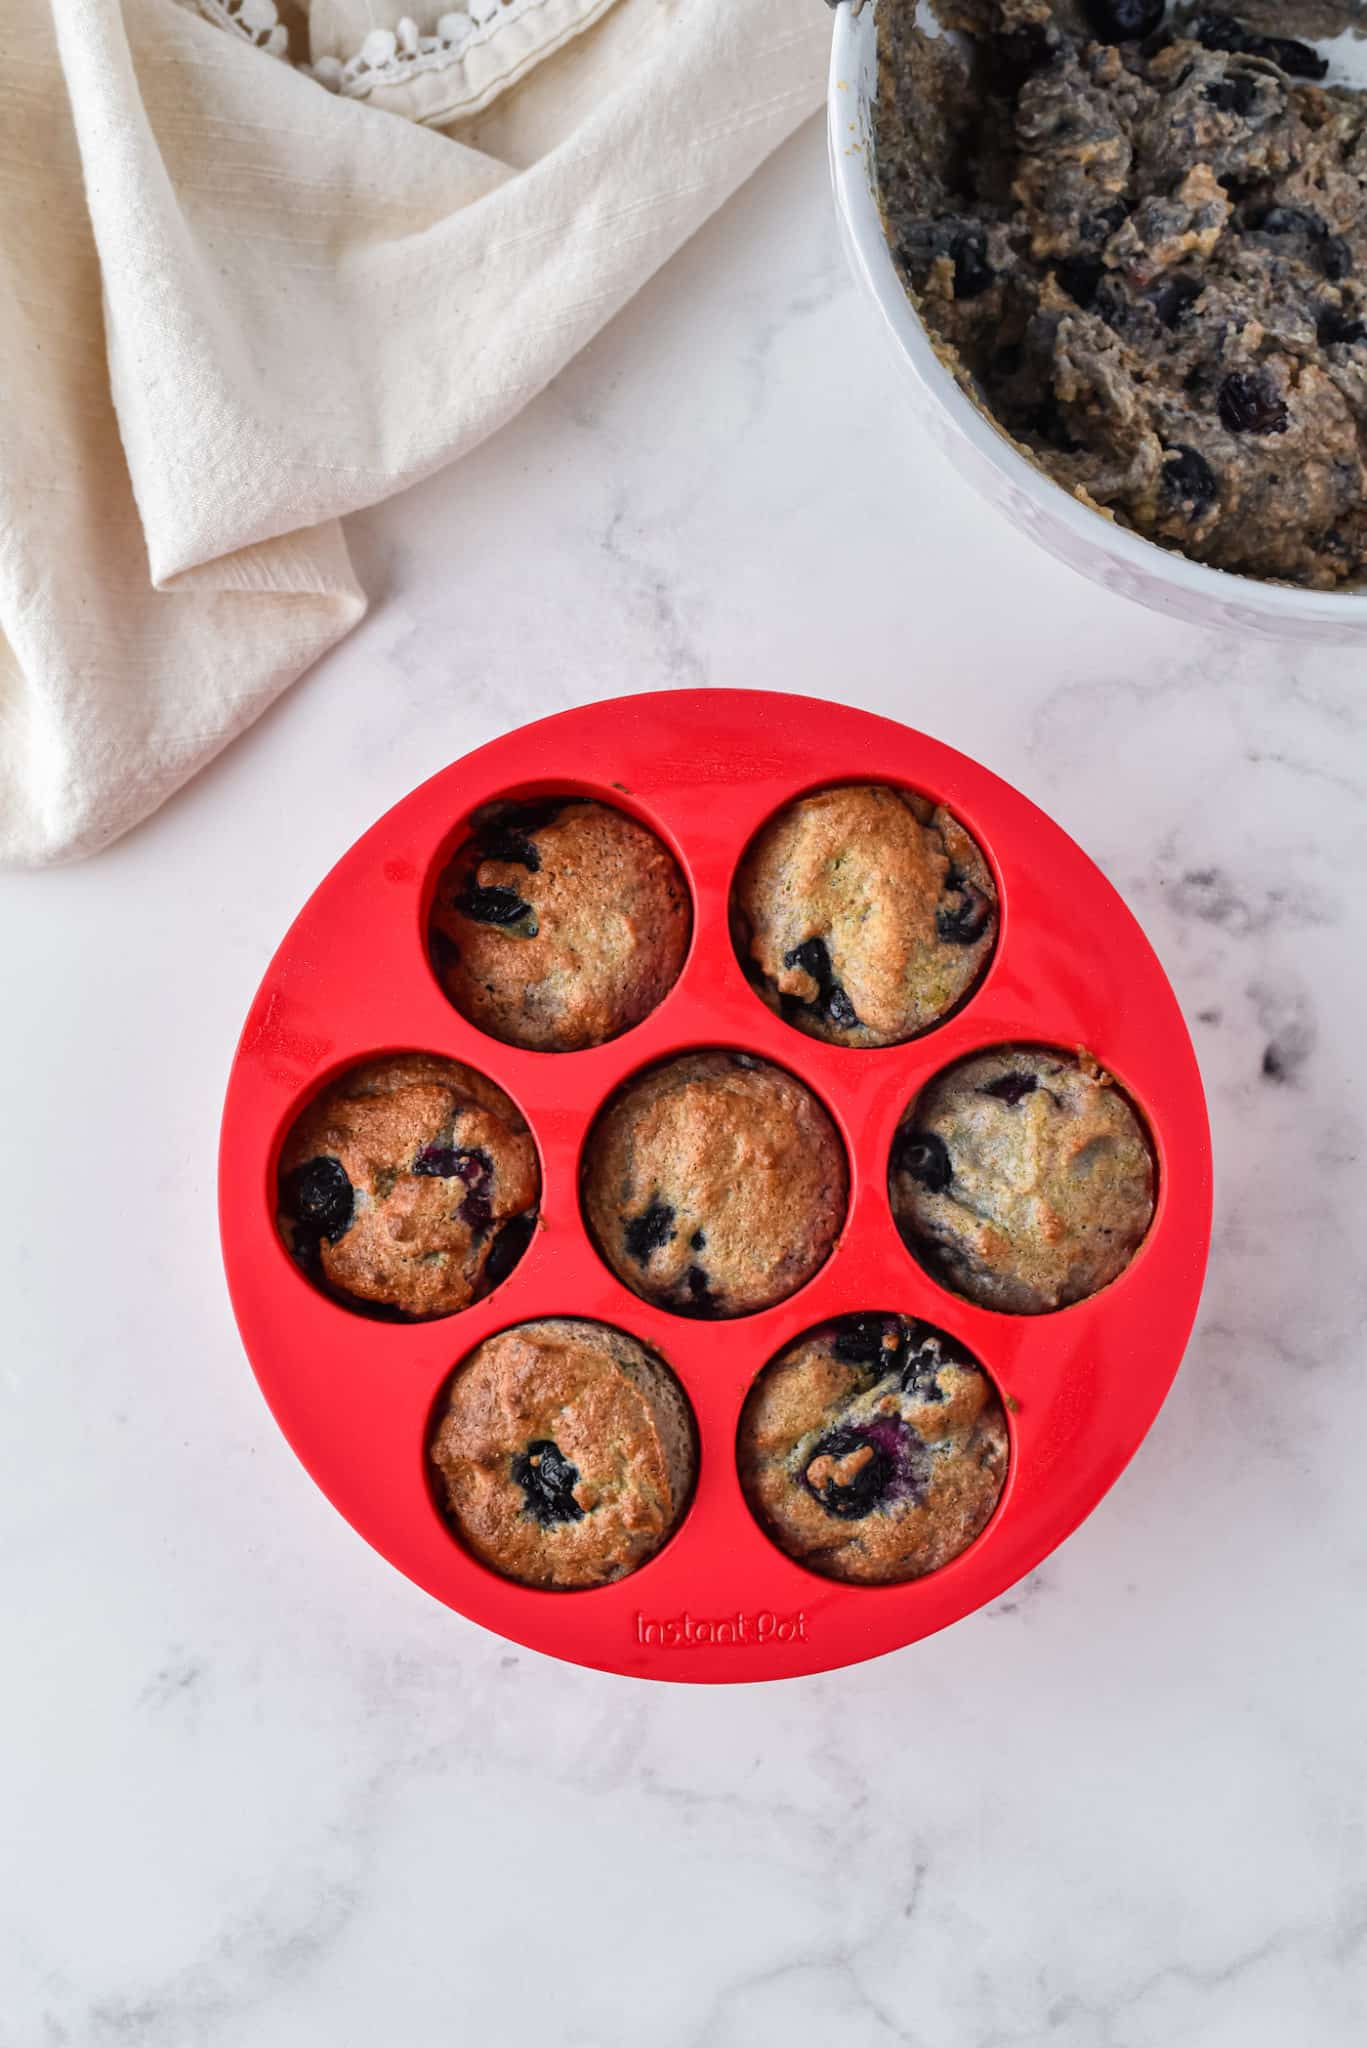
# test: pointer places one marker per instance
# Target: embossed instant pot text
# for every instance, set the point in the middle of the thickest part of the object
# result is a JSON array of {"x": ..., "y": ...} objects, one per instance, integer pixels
[{"x": 738, "y": 1631}]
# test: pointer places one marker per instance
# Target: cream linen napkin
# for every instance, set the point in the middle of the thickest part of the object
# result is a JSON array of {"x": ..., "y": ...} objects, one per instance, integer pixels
[{"x": 261, "y": 265}]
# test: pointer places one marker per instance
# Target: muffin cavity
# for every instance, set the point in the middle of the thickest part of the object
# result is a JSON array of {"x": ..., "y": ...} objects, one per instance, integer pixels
[
  {"x": 559, "y": 923},
  {"x": 408, "y": 1188},
  {"x": 874, "y": 1449},
  {"x": 864, "y": 914},
  {"x": 714, "y": 1184},
  {"x": 563, "y": 1453},
  {"x": 1023, "y": 1179}
]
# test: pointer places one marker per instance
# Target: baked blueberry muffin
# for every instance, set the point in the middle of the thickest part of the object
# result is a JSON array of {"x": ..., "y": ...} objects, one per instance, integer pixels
[
  {"x": 559, "y": 924},
  {"x": 873, "y": 1449},
  {"x": 714, "y": 1184},
  {"x": 565, "y": 1453},
  {"x": 410, "y": 1186},
  {"x": 864, "y": 914},
  {"x": 1023, "y": 1179}
]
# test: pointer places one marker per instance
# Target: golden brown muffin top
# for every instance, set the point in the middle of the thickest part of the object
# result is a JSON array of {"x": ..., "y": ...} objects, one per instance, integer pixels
[
  {"x": 566, "y": 1453},
  {"x": 873, "y": 1449},
  {"x": 867, "y": 913},
  {"x": 559, "y": 924},
  {"x": 715, "y": 1184},
  {"x": 1024, "y": 1179},
  {"x": 394, "y": 1184}
]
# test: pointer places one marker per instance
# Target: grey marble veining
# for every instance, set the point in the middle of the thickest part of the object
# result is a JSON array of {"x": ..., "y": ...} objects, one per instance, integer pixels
[{"x": 261, "y": 1793}]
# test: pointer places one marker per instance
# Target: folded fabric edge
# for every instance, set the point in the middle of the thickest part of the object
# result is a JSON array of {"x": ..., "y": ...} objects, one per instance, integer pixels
[
  {"x": 446, "y": 422},
  {"x": 45, "y": 825}
]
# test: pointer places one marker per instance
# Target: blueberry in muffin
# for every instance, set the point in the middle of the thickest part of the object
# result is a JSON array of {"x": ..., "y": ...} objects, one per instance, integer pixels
[
  {"x": 1023, "y": 1179},
  {"x": 559, "y": 923},
  {"x": 564, "y": 1453},
  {"x": 864, "y": 914},
  {"x": 409, "y": 1187},
  {"x": 714, "y": 1184},
  {"x": 874, "y": 1449}
]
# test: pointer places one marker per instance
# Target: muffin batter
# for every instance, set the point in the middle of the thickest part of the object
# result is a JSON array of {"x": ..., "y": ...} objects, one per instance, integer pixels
[
  {"x": 1139, "y": 233},
  {"x": 565, "y": 1454},
  {"x": 409, "y": 1186},
  {"x": 715, "y": 1185},
  {"x": 865, "y": 913},
  {"x": 873, "y": 1450},
  {"x": 1023, "y": 1179},
  {"x": 561, "y": 923}
]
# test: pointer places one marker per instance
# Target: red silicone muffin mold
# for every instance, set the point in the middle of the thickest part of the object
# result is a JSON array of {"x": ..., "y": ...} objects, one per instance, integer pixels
[{"x": 705, "y": 769}]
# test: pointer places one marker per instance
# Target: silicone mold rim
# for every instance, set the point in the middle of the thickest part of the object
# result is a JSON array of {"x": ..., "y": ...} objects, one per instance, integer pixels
[{"x": 351, "y": 980}]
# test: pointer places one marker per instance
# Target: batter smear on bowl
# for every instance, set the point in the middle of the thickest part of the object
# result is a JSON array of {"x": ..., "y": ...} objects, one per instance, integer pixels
[{"x": 1138, "y": 233}]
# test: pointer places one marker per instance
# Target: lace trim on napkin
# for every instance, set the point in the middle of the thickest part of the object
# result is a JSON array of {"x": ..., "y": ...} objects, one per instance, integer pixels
[
  {"x": 397, "y": 57},
  {"x": 392, "y": 56},
  {"x": 257, "y": 20}
]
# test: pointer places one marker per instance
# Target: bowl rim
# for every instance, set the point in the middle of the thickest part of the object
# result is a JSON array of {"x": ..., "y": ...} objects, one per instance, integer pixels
[{"x": 851, "y": 155}]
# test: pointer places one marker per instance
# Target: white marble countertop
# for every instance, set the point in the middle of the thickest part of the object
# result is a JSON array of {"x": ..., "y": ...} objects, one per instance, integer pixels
[{"x": 260, "y": 1792}]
